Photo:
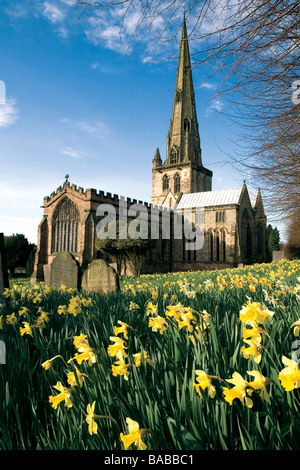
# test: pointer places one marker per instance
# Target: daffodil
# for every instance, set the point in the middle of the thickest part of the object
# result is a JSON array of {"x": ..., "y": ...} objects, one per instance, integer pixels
[
  {"x": 86, "y": 354},
  {"x": 175, "y": 311},
  {"x": 259, "y": 383},
  {"x": 74, "y": 307},
  {"x": 120, "y": 368},
  {"x": 64, "y": 395},
  {"x": 203, "y": 382},
  {"x": 62, "y": 309},
  {"x": 255, "y": 312},
  {"x": 93, "y": 427},
  {"x": 26, "y": 329},
  {"x": 186, "y": 320},
  {"x": 290, "y": 375},
  {"x": 158, "y": 324},
  {"x": 134, "y": 436},
  {"x": 72, "y": 378},
  {"x": 151, "y": 309},
  {"x": 296, "y": 326},
  {"x": 253, "y": 350},
  {"x": 80, "y": 340},
  {"x": 122, "y": 329},
  {"x": 118, "y": 348},
  {"x": 11, "y": 319},
  {"x": 47, "y": 364},
  {"x": 138, "y": 358},
  {"x": 23, "y": 311},
  {"x": 238, "y": 391}
]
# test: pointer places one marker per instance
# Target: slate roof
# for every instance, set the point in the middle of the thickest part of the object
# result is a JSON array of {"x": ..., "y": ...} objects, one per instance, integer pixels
[{"x": 210, "y": 198}]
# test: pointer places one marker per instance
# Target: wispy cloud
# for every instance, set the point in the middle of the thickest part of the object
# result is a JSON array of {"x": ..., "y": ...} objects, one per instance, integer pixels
[
  {"x": 53, "y": 12},
  {"x": 94, "y": 128},
  {"x": 73, "y": 153},
  {"x": 8, "y": 113}
]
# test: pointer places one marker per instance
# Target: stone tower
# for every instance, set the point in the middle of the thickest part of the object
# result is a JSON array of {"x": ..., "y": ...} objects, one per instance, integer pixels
[{"x": 182, "y": 172}]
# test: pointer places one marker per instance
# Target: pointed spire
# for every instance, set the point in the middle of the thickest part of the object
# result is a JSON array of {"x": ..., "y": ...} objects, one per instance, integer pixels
[
  {"x": 183, "y": 139},
  {"x": 157, "y": 161}
]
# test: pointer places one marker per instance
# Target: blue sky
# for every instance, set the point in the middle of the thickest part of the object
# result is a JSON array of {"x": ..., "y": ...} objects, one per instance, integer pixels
[{"x": 83, "y": 101}]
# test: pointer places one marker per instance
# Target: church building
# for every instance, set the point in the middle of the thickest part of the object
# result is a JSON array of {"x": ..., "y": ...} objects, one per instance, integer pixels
[{"x": 232, "y": 222}]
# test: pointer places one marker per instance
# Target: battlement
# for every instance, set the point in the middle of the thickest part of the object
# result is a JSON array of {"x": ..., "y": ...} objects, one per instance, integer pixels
[{"x": 100, "y": 195}]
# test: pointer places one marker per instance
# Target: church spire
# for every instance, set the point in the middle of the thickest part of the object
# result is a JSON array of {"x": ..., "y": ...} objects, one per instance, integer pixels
[{"x": 183, "y": 139}]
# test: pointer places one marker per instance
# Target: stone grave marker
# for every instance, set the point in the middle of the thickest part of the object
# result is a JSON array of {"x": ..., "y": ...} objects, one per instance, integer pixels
[
  {"x": 100, "y": 277},
  {"x": 278, "y": 255},
  {"x": 64, "y": 271},
  {"x": 4, "y": 282}
]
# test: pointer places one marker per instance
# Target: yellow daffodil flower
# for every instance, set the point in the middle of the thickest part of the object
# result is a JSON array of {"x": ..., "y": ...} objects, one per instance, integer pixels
[
  {"x": 80, "y": 340},
  {"x": 138, "y": 358},
  {"x": 23, "y": 311},
  {"x": 93, "y": 427},
  {"x": 290, "y": 375},
  {"x": 122, "y": 329},
  {"x": 239, "y": 391},
  {"x": 86, "y": 354},
  {"x": 296, "y": 326},
  {"x": 74, "y": 307},
  {"x": 204, "y": 381},
  {"x": 64, "y": 395},
  {"x": 11, "y": 319},
  {"x": 120, "y": 368},
  {"x": 259, "y": 383},
  {"x": 47, "y": 364},
  {"x": 255, "y": 312},
  {"x": 253, "y": 350},
  {"x": 118, "y": 348},
  {"x": 134, "y": 436},
  {"x": 151, "y": 309},
  {"x": 26, "y": 329},
  {"x": 62, "y": 309},
  {"x": 158, "y": 324},
  {"x": 72, "y": 379}
]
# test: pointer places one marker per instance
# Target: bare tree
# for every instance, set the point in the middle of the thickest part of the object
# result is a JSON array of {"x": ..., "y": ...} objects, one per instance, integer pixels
[{"x": 252, "y": 48}]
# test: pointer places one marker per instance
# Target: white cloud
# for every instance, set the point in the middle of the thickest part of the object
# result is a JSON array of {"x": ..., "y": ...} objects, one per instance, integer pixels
[
  {"x": 95, "y": 128},
  {"x": 73, "y": 153},
  {"x": 8, "y": 113},
  {"x": 53, "y": 13},
  {"x": 217, "y": 105}
]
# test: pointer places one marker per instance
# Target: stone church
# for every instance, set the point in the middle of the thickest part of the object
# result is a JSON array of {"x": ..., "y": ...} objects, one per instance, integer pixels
[{"x": 232, "y": 221}]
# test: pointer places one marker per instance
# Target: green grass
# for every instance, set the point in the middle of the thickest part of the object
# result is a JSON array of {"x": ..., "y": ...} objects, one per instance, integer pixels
[{"x": 160, "y": 396}]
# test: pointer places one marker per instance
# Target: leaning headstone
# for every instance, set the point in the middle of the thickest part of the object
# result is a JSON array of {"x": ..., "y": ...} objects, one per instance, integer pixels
[
  {"x": 64, "y": 271},
  {"x": 278, "y": 255},
  {"x": 4, "y": 282},
  {"x": 100, "y": 277}
]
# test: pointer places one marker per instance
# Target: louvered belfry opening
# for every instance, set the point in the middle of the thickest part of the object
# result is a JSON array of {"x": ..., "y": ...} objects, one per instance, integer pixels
[{"x": 65, "y": 227}]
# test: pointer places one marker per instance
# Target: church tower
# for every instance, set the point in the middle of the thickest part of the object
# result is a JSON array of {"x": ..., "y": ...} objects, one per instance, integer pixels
[{"x": 182, "y": 172}]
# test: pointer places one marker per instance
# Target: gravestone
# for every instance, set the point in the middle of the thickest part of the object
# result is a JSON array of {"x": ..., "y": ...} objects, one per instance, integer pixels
[
  {"x": 278, "y": 255},
  {"x": 47, "y": 272},
  {"x": 4, "y": 282},
  {"x": 64, "y": 271},
  {"x": 100, "y": 277}
]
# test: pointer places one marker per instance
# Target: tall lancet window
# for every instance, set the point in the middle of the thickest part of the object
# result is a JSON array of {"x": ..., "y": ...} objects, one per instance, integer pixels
[
  {"x": 165, "y": 182},
  {"x": 65, "y": 227},
  {"x": 177, "y": 183}
]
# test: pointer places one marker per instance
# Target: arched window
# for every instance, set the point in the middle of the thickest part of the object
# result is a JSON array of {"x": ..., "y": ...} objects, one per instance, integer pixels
[
  {"x": 211, "y": 245},
  {"x": 187, "y": 125},
  {"x": 177, "y": 183},
  {"x": 65, "y": 227},
  {"x": 218, "y": 246},
  {"x": 223, "y": 243},
  {"x": 165, "y": 182},
  {"x": 173, "y": 156}
]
